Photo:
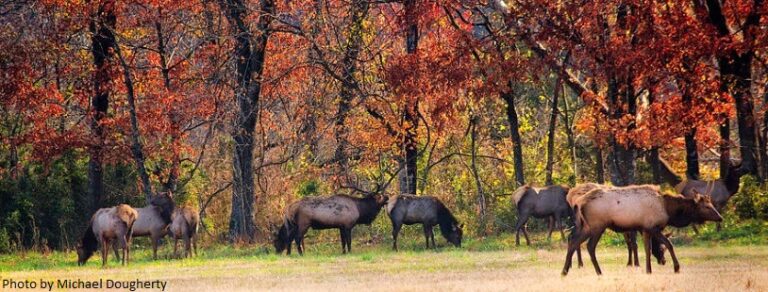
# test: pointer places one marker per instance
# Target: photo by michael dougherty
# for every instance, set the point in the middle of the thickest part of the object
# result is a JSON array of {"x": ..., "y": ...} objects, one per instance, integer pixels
[{"x": 79, "y": 284}]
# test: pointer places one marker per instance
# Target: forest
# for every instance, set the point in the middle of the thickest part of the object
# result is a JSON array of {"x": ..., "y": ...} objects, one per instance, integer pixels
[{"x": 239, "y": 108}]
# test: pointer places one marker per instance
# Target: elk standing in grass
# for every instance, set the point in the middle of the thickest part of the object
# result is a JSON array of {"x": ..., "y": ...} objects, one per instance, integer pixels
[
  {"x": 339, "y": 211},
  {"x": 721, "y": 190},
  {"x": 107, "y": 225},
  {"x": 548, "y": 202},
  {"x": 154, "y": 219},
  {"x": 427, "y": 210},
  {"x": 630, "y": 238},
  {"x": 184, "y": 226},
  {"x": 634, "y": 208}
]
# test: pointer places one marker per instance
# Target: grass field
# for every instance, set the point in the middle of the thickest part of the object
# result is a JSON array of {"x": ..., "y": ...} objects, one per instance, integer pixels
[{"x": 489, "y": 264}]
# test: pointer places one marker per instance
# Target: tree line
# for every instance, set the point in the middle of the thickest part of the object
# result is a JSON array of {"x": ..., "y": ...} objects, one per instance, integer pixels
[{"x": 239, "y": 107}]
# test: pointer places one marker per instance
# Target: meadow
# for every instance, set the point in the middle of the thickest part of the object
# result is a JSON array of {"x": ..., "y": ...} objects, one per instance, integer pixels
[{"x": 732, "y": 260}]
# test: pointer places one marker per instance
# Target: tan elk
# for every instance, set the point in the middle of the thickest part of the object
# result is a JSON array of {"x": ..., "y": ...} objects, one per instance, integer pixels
[
  {"x": 635, "y": 208},
  {"x": 107, "y": 225},
  {"x": 630, "y": 238},
  {"x": 184, "y": 222}
]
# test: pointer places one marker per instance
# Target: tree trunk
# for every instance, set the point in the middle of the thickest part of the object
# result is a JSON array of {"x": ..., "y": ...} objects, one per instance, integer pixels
[
  {"x": 410, "y": 113},
  {"x": 736, "y": 75},
  {"x": 173, "y": 174},
  {"x": 621, "y": 158},
  {"x": 249, "y": 53},
  {"x": 358, "y": 11},
  {"x": 514, "y": 131},
  {"x": 136, "y": 148},
  {"x": 102, "y": 45},
  {"x": 571, "y": 140},
  {"x": 475, "y": 173},
  {"x": 725, "y": 147},
  {"x": 691, "y": 156},
  {"x": 654, "y": 163},
  {"x": 551, "y": 135},
  {"x": 599, "y": 169}
]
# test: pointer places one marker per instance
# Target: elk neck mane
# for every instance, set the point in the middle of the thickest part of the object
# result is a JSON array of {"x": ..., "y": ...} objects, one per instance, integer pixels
[{"x": 520, "y": 193}]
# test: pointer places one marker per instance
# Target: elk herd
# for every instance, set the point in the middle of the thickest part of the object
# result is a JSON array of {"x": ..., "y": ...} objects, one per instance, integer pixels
[
  {"x": 590, "y": 208},
  {"x": 119, "y": 224}
]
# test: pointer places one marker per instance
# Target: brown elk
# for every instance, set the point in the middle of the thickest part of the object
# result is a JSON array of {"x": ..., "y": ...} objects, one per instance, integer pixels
[
  {"x": 630, "y": 238},
  {"x": 154, "y": 219},
  {"x": 427, "y": 210},
  {"x": 184, "y": 226},
  {"x": 107, "y": 225},
  {"x": 339, "y": 211},
  {"x": 547, "y": 202},
  {"x": 634, "y": 208}
]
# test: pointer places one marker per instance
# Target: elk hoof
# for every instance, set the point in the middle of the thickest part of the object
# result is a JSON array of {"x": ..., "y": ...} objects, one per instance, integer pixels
[{"x": 677, "y": 269}]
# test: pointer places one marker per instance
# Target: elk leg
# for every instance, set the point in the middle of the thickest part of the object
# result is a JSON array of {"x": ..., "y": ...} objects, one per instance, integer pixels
[
  {"x": 695, "y": 229},
  {"x": 155, "y": 242},
  {"x": 559, "y": 222},
  {"x": 525, "y": 232},
  {"x": 426, "y": 233},
  {"x": 647, "y": 244},
  {"x": 551, "y": 226},
  {"x": 194, "y": 243},
  {"x": 574, "y": 242},
  {"x": 175, "y": 247},
  {"x": 395, "y": 230},
  {"x": 300, "y": 238},
  {"x": 578, "y": 255},
  {"x": 187, "y": 247},
  {"x": 630, "y": 238},
  {"x": 718, "y": 226},
  {"x": 104, "y": 251},
  {"x": 348, "y": 239},
  {"x": 520, "y": 223},
  {"x": 343, "y": 240},
  {"x": 432, "y": 235},
  {"x": 591, "y": 245},
  {"x": 663, "y": 239},
  {"x": 115, "y": 249}
]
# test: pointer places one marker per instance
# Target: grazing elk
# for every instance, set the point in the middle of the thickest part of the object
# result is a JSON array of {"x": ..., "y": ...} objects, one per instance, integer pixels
[
  {"x": 630, "y": 238},
  {"x": 107, "y": 225},
  {"x": 547, "y": 202},
  {"x": 634, "y": 208},
  {"x": 184, "y": 226},
  {"x": 427, "y": 210},
  {"x": 339, "y": 211}
]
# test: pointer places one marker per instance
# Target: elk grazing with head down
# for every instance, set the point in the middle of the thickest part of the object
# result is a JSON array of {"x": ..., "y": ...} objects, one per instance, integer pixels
[
  {"x": 339, "y": 211},
  {"x": 630, "y": 238},
  {"x": 547, "y": 202},
  {"x": 107, "y": 225},
  {"x": 427, "y": 210},
  {"x": 634, "y": 208}
]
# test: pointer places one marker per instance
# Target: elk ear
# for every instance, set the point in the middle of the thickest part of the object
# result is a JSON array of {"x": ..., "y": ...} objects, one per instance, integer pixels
[{"x": 461, "y": 225}]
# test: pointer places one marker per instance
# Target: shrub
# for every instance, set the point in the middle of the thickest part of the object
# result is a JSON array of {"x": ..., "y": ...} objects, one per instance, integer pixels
[{"x": 751, "y": 201}]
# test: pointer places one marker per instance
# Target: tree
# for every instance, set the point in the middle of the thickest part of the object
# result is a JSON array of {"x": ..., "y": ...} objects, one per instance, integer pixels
[
  {"x": 249, "y": 54},
  {"x": 103, "y": 44}
]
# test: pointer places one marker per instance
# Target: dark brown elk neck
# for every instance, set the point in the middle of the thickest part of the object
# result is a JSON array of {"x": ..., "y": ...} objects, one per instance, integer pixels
[
  {"x": 681, "y": 211},
  {"x": 367, "y": 208}
]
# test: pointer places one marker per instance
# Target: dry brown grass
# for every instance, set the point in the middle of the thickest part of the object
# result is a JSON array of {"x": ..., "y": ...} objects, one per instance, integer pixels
[{"x": 703, "y": 269}]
